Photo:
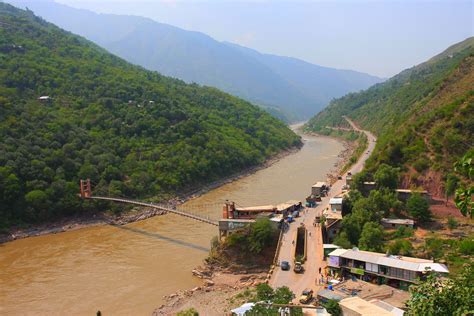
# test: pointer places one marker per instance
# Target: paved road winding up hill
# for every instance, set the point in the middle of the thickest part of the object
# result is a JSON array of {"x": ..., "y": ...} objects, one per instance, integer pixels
[{"x": 298, "y": 282}]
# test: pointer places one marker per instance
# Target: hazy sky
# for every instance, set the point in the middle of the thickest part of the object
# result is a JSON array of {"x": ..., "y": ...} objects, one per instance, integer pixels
[{"x": 377, "y": 37}]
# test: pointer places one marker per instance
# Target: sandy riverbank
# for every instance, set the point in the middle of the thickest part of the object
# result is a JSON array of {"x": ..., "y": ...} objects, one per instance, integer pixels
[{"x": 136, "y": 214}]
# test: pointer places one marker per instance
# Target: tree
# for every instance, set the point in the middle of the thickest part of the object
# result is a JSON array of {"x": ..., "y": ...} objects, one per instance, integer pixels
[
  {"x": 418, "y": 208},
  {"x": 342, "y": 240},
  {"x": 386, "y": 177},
  {"x": 264, "y": 292},
  {"x": 463, "y": 196},
  {"x": 261, "y": 235},
  {"x": 451, "y": 184},
  {"x": 333, "y": 308},
  {"x": 371, "y": 238},
  {"x": 443, "y": 296},
  {"x": 400, "y": 247},
  {"x": 282, "y": 295}
]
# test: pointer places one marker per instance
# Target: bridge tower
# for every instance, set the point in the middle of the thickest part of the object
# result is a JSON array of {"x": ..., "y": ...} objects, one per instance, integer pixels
[{"x": 86, "y": 191}]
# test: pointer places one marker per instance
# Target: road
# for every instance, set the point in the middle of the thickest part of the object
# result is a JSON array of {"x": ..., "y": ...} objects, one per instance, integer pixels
[{"x": 298, "y": 282}]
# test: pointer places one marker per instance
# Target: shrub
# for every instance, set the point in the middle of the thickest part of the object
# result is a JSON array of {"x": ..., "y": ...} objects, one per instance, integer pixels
[{"x": 452, "y": 222}]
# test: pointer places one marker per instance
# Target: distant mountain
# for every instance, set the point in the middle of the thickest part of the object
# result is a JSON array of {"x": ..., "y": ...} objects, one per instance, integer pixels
[
  {"x": 286, "y": 86},
  {"x": 424, "y": 117},
  {"x": 71, "y": 110}
]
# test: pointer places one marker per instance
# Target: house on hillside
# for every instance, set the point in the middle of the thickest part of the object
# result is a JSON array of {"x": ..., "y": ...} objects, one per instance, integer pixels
[{"x": 397, "y": 222}]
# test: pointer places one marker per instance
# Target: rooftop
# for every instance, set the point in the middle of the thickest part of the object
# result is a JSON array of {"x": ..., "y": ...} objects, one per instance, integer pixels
[
  {"x": 363, "y": 307},
  {"x": 259, "y": 208},
  {"x": 369, "y": 291},
  {"x": 336, "y": 200},
  {"x": 410, "y": 191},
  {"x": 401, "y": 262},
  {"x": 400, "y": 221}
]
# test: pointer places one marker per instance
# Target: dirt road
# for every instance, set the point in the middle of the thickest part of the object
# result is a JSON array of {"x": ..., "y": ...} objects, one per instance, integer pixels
[{"x": 298, "y": 282}]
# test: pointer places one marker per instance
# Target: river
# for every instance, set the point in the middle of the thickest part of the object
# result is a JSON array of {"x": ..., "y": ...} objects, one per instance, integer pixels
[{"x": 127, "y": 270}]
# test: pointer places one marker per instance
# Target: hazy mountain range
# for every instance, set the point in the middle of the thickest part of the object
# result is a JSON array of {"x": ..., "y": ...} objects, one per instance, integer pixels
[{"x": 288, "y": 87}]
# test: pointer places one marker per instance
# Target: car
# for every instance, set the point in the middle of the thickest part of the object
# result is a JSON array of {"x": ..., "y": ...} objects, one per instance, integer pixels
[
  {"x": 285, "y": 265},
  {"x": 306, "y": 296},
  {"x": 298, "y": 268}
]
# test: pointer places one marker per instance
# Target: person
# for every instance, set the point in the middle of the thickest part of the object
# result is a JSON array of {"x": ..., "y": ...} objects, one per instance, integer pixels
[
  {"x": 309, "y": 234},
  {"x": 293, "y": 242},
  {"x": 319, "y": 270}
]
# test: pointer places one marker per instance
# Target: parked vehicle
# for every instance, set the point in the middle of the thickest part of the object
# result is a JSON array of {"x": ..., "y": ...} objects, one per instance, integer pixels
[
  {"x": 290, "y": 219},
  {"x": 306, "y": 296},
  {"x": 285, "y": 265},
  {"x": 296, "y": 214},
  {"x": 298, "y": 268}
]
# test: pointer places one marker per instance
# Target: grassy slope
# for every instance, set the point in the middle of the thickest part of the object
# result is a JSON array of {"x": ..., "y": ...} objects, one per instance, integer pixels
[
  {"x": 100, "y": 124},
  {"x": 424, "y": 116}
]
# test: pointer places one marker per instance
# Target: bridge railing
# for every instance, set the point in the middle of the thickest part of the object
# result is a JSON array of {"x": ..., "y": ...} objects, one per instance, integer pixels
[{"x": 167, "y": 208}]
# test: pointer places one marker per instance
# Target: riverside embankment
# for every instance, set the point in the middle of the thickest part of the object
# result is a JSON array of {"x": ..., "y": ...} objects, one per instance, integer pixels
[{"x": 128, "y": 269}]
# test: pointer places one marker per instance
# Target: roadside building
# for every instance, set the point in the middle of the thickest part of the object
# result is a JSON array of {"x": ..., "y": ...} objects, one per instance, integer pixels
[
  {"x": 388, "y": 307},
  {"x": 396, "y": 271},
  {"x": 349, "y": 180},
  {"x": 230, "y": 226},
  {"x": 319, "y": 188},
  {"x": 326, "y": 295},
  {"x": 335, "y": 204},
  {"x": 230, "y": 211},
  {"x": 355, "y": 306},
  {"x": 328, "y": 248},
  {"x": 397, "y": 222}
]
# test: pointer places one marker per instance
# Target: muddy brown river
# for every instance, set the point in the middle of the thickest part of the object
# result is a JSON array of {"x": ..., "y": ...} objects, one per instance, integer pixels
[{"x": 127, "y": 270}]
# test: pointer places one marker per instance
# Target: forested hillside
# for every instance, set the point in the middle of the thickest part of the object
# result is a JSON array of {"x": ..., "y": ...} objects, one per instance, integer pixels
[
  {"x": 134, "y": 132},
  {"x": 286, "y": 87},
  {"x": 424, "y": 117}
]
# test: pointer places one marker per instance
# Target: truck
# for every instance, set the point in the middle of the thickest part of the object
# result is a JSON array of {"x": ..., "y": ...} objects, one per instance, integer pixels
[{"x": 298, "y": 268}]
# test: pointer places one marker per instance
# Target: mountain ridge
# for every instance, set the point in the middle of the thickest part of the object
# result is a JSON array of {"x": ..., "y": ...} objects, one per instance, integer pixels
[{"x": 196, "y": 57}]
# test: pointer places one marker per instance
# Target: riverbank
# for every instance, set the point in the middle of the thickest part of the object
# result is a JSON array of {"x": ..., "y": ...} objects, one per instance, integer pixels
[{"x": 136, "y": 214}]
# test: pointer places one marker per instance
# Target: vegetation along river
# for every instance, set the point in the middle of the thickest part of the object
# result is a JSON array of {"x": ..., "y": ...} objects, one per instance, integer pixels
[{"x": 126, "y": 270}]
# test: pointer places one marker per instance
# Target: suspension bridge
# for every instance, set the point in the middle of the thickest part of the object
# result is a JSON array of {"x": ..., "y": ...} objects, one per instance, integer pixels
[{"x": 86, "y": 193}]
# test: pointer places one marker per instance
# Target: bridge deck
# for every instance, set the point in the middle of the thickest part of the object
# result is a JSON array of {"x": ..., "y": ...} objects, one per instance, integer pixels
[{"x": 157, "y": 206}]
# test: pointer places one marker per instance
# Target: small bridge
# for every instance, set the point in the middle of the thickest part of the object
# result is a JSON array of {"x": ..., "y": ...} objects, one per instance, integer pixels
[{"x": 86, "y": 193}]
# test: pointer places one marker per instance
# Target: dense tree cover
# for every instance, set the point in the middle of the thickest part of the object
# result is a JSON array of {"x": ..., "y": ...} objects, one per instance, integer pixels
[
  {"x": 255, "y": 238},
  {"x": 132, "y": 132},
  {"x": 424, "y": 116},
  {"x": 441, "y": 296}
]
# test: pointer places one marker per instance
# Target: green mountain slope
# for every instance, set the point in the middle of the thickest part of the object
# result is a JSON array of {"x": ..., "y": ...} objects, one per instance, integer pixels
[
  {"x": 424, "y": 116},
  {"x": 287, "y": 87},
  {"x": 132, "y": 131}
]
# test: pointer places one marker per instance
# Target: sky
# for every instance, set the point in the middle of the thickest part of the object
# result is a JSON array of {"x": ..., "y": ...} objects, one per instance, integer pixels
[{"x": 377, "y": 37}]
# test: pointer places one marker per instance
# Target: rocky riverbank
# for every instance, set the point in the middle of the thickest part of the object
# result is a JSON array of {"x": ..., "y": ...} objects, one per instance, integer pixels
[{"x": 219, "y": 293}]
